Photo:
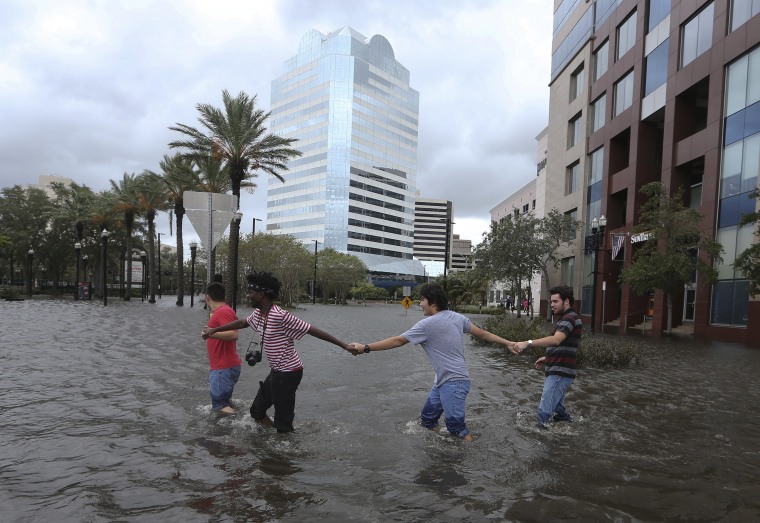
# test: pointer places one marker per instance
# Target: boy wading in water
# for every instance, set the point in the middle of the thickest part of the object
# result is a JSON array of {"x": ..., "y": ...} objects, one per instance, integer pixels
[
  {"x": 441, "y": 335},
  {"x": 222, "y": 351}
]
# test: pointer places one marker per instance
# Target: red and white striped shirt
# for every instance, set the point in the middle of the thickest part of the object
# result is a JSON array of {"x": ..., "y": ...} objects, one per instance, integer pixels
[{"x": 279, "y": 329}]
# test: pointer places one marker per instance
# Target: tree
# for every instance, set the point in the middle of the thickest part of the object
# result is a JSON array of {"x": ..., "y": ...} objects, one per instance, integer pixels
[
  {"x": 73, "y": 204},
  {"x": 24, "y": 215},
  {"x": 748, "y": 262},
  {"x": 339, "y": 272},
  {"x": 236, "y": 135},
  {"x": 676, "y": 249},
  {"x": 127, "y": 204}
]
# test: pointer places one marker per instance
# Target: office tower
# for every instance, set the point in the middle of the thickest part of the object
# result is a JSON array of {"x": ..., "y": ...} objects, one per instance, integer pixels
[
  {"x": 656, "y": 90},
  {"x": 432, "y": 234},
  {"x": 349, "y": 103}
]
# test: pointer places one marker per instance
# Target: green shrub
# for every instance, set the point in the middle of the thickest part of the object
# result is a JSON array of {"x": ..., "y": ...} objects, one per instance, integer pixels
[
  {"x": 10, "y": 292},
  {"x": 595, "y": 350}
]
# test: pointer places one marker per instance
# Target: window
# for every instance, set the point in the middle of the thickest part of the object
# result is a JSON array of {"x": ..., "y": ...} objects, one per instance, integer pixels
[
  {"x": 573, "y": 215},
  {"x": 601, "y": 59},
  {"x": 577, "y": 83},
  {"x": 658, "y": 10},
  {"x": 656, "y": 68},
  {"x": 534, "y": 205},
  {"x": 743, "y": 10},
  {"x": 567, "y": 270},
  {"x": 574, "y": 130},
  {"x": 696, "y": 35},
  {"x": 598, "y": 111},
  {"x": 626, "y": 36},
  {"x": 623, "y": 94},
  {"x": 695, "y": 194},
  {"x": 572, "y": 178},
  {"x": 596, "y": 166},
  {"x": 526, "y": 208},
  {"x": 743, "y": 82}
]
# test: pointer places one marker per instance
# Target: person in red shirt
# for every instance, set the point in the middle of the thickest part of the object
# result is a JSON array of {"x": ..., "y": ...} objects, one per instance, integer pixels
[
  {"x": 222, "y": 350},
  {"x": 279, "y": 329}
]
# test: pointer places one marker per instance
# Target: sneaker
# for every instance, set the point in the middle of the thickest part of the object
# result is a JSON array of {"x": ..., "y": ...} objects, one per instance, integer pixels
[
  {"x": 542, "y": 426},
  {"x": 557, "y": 419}
]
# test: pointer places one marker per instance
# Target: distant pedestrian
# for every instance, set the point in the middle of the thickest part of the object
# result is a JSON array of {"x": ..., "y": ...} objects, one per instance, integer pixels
[
  {"x": 279, "y": 329},
  {"x": 222, "y": 350},
  {"x": 441, "y": 335},
  {"x": 559, "y": 361}
]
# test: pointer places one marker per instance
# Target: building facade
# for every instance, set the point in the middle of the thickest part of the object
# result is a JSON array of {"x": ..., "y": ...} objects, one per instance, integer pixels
[
  {"x": 349, "y": 103},
  {"x": 432, "y": 234},
  {"x": 657, "y": 90}
]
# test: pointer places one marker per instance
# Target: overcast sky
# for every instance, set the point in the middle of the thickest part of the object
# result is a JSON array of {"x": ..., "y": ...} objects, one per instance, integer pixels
[{"x": 89, "y": 88}]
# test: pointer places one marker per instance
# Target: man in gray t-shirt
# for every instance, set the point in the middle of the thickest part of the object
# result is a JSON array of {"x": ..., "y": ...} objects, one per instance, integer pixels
[{"x": 441, "y": 334}]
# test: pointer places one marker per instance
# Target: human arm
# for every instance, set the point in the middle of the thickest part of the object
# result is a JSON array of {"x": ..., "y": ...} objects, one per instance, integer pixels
[
  {"x": 231, "y": 326},
  {"x": 322, "y": 335},
  {"x": 555, "y": 340},
  {"x": 386, "y": 344},
  {"x": 493, "y": 338},
  {"x": 540, "y": 362}
]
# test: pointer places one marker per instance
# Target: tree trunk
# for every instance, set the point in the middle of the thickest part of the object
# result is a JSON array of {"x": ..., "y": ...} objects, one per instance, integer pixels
[
  {"x": 669, "y": 329},
  {"x": 128, "y": 264},
  {"x": 179, "y": 212},
  {"x": 151, "y": 259},
  {"x": 231, "y": 275}
]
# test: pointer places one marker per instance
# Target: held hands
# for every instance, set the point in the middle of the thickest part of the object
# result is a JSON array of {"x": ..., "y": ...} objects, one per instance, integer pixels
[
  {"x": 205, "y": 333},
  {"x": 355, "y": 348},
  {"x": 512, "y": 347}
]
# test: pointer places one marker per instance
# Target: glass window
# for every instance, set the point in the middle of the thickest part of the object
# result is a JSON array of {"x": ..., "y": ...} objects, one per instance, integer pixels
[
  {"x": 626, "y": 36},
  {"x": 656, "y": 68},
  {"x": 696, "y": 35},
  {"x": 751, "y": 163},
  {"x": 572, "y": 178},
  {"x": 730, "y": 302},
  {"x": 574, "y": 131},
  {"x": 736, "y": 85},
  {"x": 695, "y": 195},
  {"x": 623, "y": 93},
  {"x": 658, "y": 10},
  {"x": 596, "y": 166},
  {"x": 598, "y": 109},
  {"x": 753, "y": 77},
  {"x": 743, "y": 10},
  {"x": 577, "y": 83},
  {"x": 568, "y": 269},
  {"x": 601, "y": 60}
]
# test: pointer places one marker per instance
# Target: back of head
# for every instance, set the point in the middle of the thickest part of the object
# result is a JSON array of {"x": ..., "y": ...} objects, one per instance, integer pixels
[
  {"x": 264, "y": 282},
  {"x": 435, "y": 295},
  {"x": 565, "y": 293},
  {"x": 215, "y": 291}
]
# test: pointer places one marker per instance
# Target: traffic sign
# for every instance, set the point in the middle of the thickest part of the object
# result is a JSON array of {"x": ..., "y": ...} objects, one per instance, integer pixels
[{"x": 407, "y": 302}]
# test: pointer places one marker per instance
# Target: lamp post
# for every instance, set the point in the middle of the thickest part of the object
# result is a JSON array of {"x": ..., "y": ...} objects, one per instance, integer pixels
[
  {"x": 78, "y": 248},
  {"x": 597, "y": 242},
  {"x": 29, "y": 257},
  {"x": 193, "y": 249},
  {"x": 104, "y": 265},
  {"x": 237, "y": 217},
  {"x": 314, "y": 281},
  {"x": 143, "y": 291},
  {"x": 44, "y": 275},
  {"x": 85, "y": 258},
  {"x": 159, "y": 265}
]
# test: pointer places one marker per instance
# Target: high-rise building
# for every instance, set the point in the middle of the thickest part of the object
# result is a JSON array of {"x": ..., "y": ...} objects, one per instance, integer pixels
[
  {"x": 349, "y": 103},
  {"x": 656, "y": 90},
  {"x": 432, "y": 234}
]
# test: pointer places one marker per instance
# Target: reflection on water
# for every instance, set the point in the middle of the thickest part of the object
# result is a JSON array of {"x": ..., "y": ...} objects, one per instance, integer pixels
[{"x": 106, "y": 417}]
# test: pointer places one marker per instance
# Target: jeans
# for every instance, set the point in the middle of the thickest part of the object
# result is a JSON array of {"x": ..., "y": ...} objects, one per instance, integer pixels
[
  {"x": 448, "y": 399},
  {"x": 278, "y": 389},
  {"x": 221, "y": 384},
  {"x": 553, "y": 399}
]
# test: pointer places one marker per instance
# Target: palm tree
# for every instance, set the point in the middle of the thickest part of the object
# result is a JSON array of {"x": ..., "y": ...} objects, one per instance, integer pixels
[
  {"x": 151, "y": 195},
  {"x": 178, "y": 177},
  {"x": 127, "y": 204},
  {"x": 236, "y": 136}
]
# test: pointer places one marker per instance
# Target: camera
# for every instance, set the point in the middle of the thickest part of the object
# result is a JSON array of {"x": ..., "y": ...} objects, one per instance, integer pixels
[{"x": 253, "y": 356}]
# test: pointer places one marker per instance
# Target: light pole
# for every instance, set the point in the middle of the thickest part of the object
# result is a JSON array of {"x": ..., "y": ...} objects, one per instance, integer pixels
[
  {"x": 143, "y": 291},
  {"x": 159, "y": 265},
  {"x": 104, "y": 265},
  {"x": 29, "y": 257},
  {"x": 193, "y": 249},
  {"x": 85, "y": 258},
  {"x": 314, "y": 281},
  {"x": 254, "y": 226},
  {"x": 237, "y": 217},
  {"x": 78, "y": 248},
  {"x": 44, "y": 275},
  {"x": 597, "y": 242}
]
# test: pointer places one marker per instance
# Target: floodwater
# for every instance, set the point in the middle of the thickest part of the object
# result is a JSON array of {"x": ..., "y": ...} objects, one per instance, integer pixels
[{"x": 106, "y": 417}]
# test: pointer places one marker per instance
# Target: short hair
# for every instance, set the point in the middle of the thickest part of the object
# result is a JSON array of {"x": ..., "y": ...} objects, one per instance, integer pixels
[
  {"x": 215, "y": 291},
  {"x": 264, "y": 282},
  {"x": 435, "y": 295},
  {"x": 565, "y": 293}
]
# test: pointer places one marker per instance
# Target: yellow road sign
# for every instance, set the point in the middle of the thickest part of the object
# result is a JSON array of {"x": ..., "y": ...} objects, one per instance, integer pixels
[{"x": 407, "y": 302}]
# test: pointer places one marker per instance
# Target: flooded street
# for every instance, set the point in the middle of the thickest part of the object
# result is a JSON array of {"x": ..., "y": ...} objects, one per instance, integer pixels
[{"x": 106, "y": 417}]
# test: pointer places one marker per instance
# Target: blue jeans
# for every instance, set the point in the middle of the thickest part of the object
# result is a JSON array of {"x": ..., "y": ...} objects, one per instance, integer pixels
[
  {"x": 448, "y": 399},
  {"x": 553, "y": 399},
  {"x": 221, "y": 384}
]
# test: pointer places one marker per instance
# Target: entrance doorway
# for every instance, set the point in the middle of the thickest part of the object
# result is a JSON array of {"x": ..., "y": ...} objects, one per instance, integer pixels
[{"x": 688, "y": 304}]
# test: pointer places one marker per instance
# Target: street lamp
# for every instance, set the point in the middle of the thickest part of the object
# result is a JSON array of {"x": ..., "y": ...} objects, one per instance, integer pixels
[
  {"x": 314, "y": 281},
  {"x": 104, "y": 265},
  {"x": 85, "y": 258},
  {"x": 44, "y": 275},
  {"x": 78, "y": 248},
  {"x": 159, "y": 265},
  {"x": 193, "y": 248},
  {"x": 29, "y": 257},
  {"x": 237, "y": 217},
  {"x": 596, "y": 243},
  {"x": 144, "y": 290}
]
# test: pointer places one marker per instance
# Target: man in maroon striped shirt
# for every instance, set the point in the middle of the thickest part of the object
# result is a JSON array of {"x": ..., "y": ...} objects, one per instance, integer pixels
[{"x": 279, "y": 329}]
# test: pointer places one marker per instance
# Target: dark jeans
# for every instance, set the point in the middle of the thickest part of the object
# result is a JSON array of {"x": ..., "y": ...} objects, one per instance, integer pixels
[{"x": 278, "y": 389}]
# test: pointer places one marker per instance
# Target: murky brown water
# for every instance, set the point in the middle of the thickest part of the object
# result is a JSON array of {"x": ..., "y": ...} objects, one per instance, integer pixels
[{"x": 105, "y": 417}]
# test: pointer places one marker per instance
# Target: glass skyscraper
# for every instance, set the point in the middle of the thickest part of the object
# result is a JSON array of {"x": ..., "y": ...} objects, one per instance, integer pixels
[{"x": 348, "y": 102}]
